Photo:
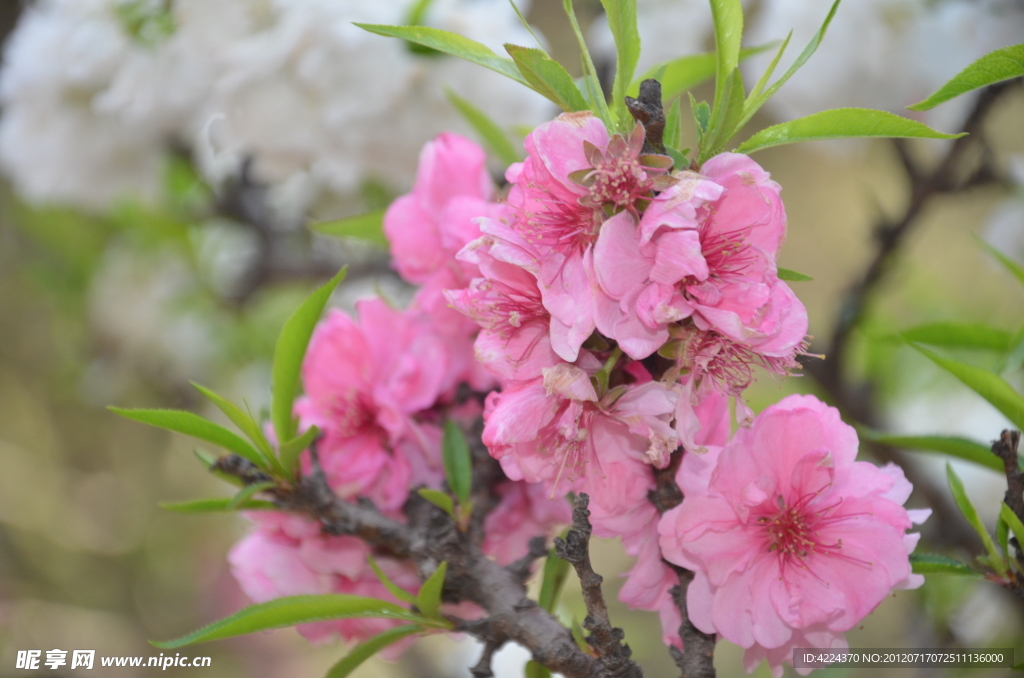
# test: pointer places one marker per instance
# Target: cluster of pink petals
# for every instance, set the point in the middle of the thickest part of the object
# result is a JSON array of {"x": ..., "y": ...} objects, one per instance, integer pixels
[
  {"x": 793, "y": 541},
  {"x": 289, "y": 556}
]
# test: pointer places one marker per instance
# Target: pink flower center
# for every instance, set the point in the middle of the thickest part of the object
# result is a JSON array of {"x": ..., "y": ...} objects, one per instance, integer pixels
[
  {"x": 619, "y": 183},
  {"x": 352, "y": 413},
  {"x": 792, "y": 531},
  {"x": 726, "y": 252},
  {"x": 565, "y": 226},
  {"x": 729, "y": 365}
]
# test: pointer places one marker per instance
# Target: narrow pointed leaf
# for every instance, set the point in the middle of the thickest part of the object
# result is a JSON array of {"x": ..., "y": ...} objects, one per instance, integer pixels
[
  {"x": 195, "y": 426},
  {"x": 755, "y": 102},
  {"x": 556, "y": 571},
  {"x": 593, "y": 86},
  {"x": 247, "y": 493},
  {"x": 725, "y": 117},
  {"x": 685, "y": 73},
  {"x": 994, "y": 67},
  {"x": 548, "y": 77},
  {"x": 439, "y": 499},
  {"x": 493, "y": 136},
  {"x": 239, "y": 418},
  {"x": 841, "y": 123},
  {"x": 701, "y": 116},
  {"x": 290, "y": 611},
  {"x": 1015, "y": 268},
  {"x": 288, "y": 354},
  {"x": 989, "y": 386},
  {"x": 954, "y": 446},
  {"x": 396, "y": 590},
  {"x": 429, "y": 599},
  {"x": 291, "y": 450},
  {"x": 673, "y": 126},
  {"x": 216, "y": 505},
  {"x": 458, "y": 464},
  {"x": 622, "y": 23},
  {"x": 1013, "y": 522},
  {"x": 793, "y": 276},
  {"x": 954, "y": 334},
  {"x": 1015, "y": 354},
  {"x": 450, "y": 43},
  {"x": 728, "y": 19},
  {"x": 932, "y": 563},
  {"x": 1003, "y": 537},
  {"x": 762, "y": 82},
  {"x": 368, "y": 227},
  {"x": 956, "y": 486},
  {"x": 366, "y": 649}
]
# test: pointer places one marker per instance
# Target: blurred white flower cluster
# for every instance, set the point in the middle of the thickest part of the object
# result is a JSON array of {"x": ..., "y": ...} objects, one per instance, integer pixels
[
  {"x": 883, "y": 54},
  {"x": 95, "y": 93}
]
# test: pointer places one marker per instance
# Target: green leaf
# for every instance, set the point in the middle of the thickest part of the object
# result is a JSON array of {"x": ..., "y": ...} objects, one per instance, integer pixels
[
  {"x": 725, "y": 117},
  {"x": 429, "y": 599},
  {"x": 439, "y": 499},
  {"x": 763, "y": 80},
  {"x": 679, "y": 159},
  {"x": 1013, "y": 522},
  {"x": 593, "y": 90},
  {"x": 245, "y": 423},
  {"x": 1003, "y": 537},
  {"x": 556, "y": 571},
  {"x": 548, "y": 77},
  {"x": 193, "y": 425},
  {"x": 450, "y": 43},
  {"x": 291, "y": 450},
  {"x": 622, "y": 23},
  {"x": 685, "y": 73},
  {"x": 758, "y": 98},
  {"x": 989, "y": 386},
  {"x": 366, "y": 649},
  {"x": 396, "y": 590},
  {"x": 728, "y": 19},
  {"x": 932, "y": 563},
  {"x": 288, "y": 354},
  {"x": 458, "y": 464},
  {"x": 579, "y": 636},
  {"x": 961, "y": 448},
  {"x": 1015, "y": 354},
  {"x": 793, "y": 276},
  {"x": 417, "y": 12},
  {"x": 490, "y": 132},
  {"x": 701, "y": 116},
  {"x": 367, "y": 227},
  {"x": 955, "y": 334},
  {"x": 840, "y": 123},
  {"x": 248, "y": 492},
  {"x": 218, "y": 505},
  {"x": 294, "y": 610},
  {"x": 535, "y": 670},
  {"x": 956, "y": 486},
  {"x": 673, "y": 126},
  {"x": 1015, "y": 268},
  {"x": 994, "y": 67}
]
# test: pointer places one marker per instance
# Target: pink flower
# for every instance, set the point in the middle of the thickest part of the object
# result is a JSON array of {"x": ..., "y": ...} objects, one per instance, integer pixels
[
  {"x": 428, "y": 226},
  {"x": 704, "y": 248},
  {"x": 515, "y": 341},
  {"x": 288, "y": 556},
  {"x": 557, "y": 430},
  {"x": 791, "y": 539},
  {"x": 524, "y": 511},
  {"x": 574, "y": 170},
  {"x": 370, "y": 387}
]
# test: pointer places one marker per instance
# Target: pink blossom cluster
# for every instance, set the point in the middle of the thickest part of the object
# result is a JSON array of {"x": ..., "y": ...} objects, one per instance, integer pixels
[
  {"x": 380, "y": 387},
  {"x": 613, "y": 306}
]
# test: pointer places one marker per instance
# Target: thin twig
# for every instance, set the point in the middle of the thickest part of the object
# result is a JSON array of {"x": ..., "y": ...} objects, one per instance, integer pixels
[
  {"x": 1006, "y": 449},
  {"x": 613, "y": 655}
]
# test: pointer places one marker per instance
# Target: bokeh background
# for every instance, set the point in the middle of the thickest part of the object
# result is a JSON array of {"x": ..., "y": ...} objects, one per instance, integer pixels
[{"x": 162, "y": 159}]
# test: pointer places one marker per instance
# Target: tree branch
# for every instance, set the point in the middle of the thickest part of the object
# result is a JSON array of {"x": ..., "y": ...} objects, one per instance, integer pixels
[
  {"x": 613, "y": 655},
  {"x": 697, "y": 658},
  {"x": 1006, "y": 449},
  {"x": 430, "y": 538}
]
